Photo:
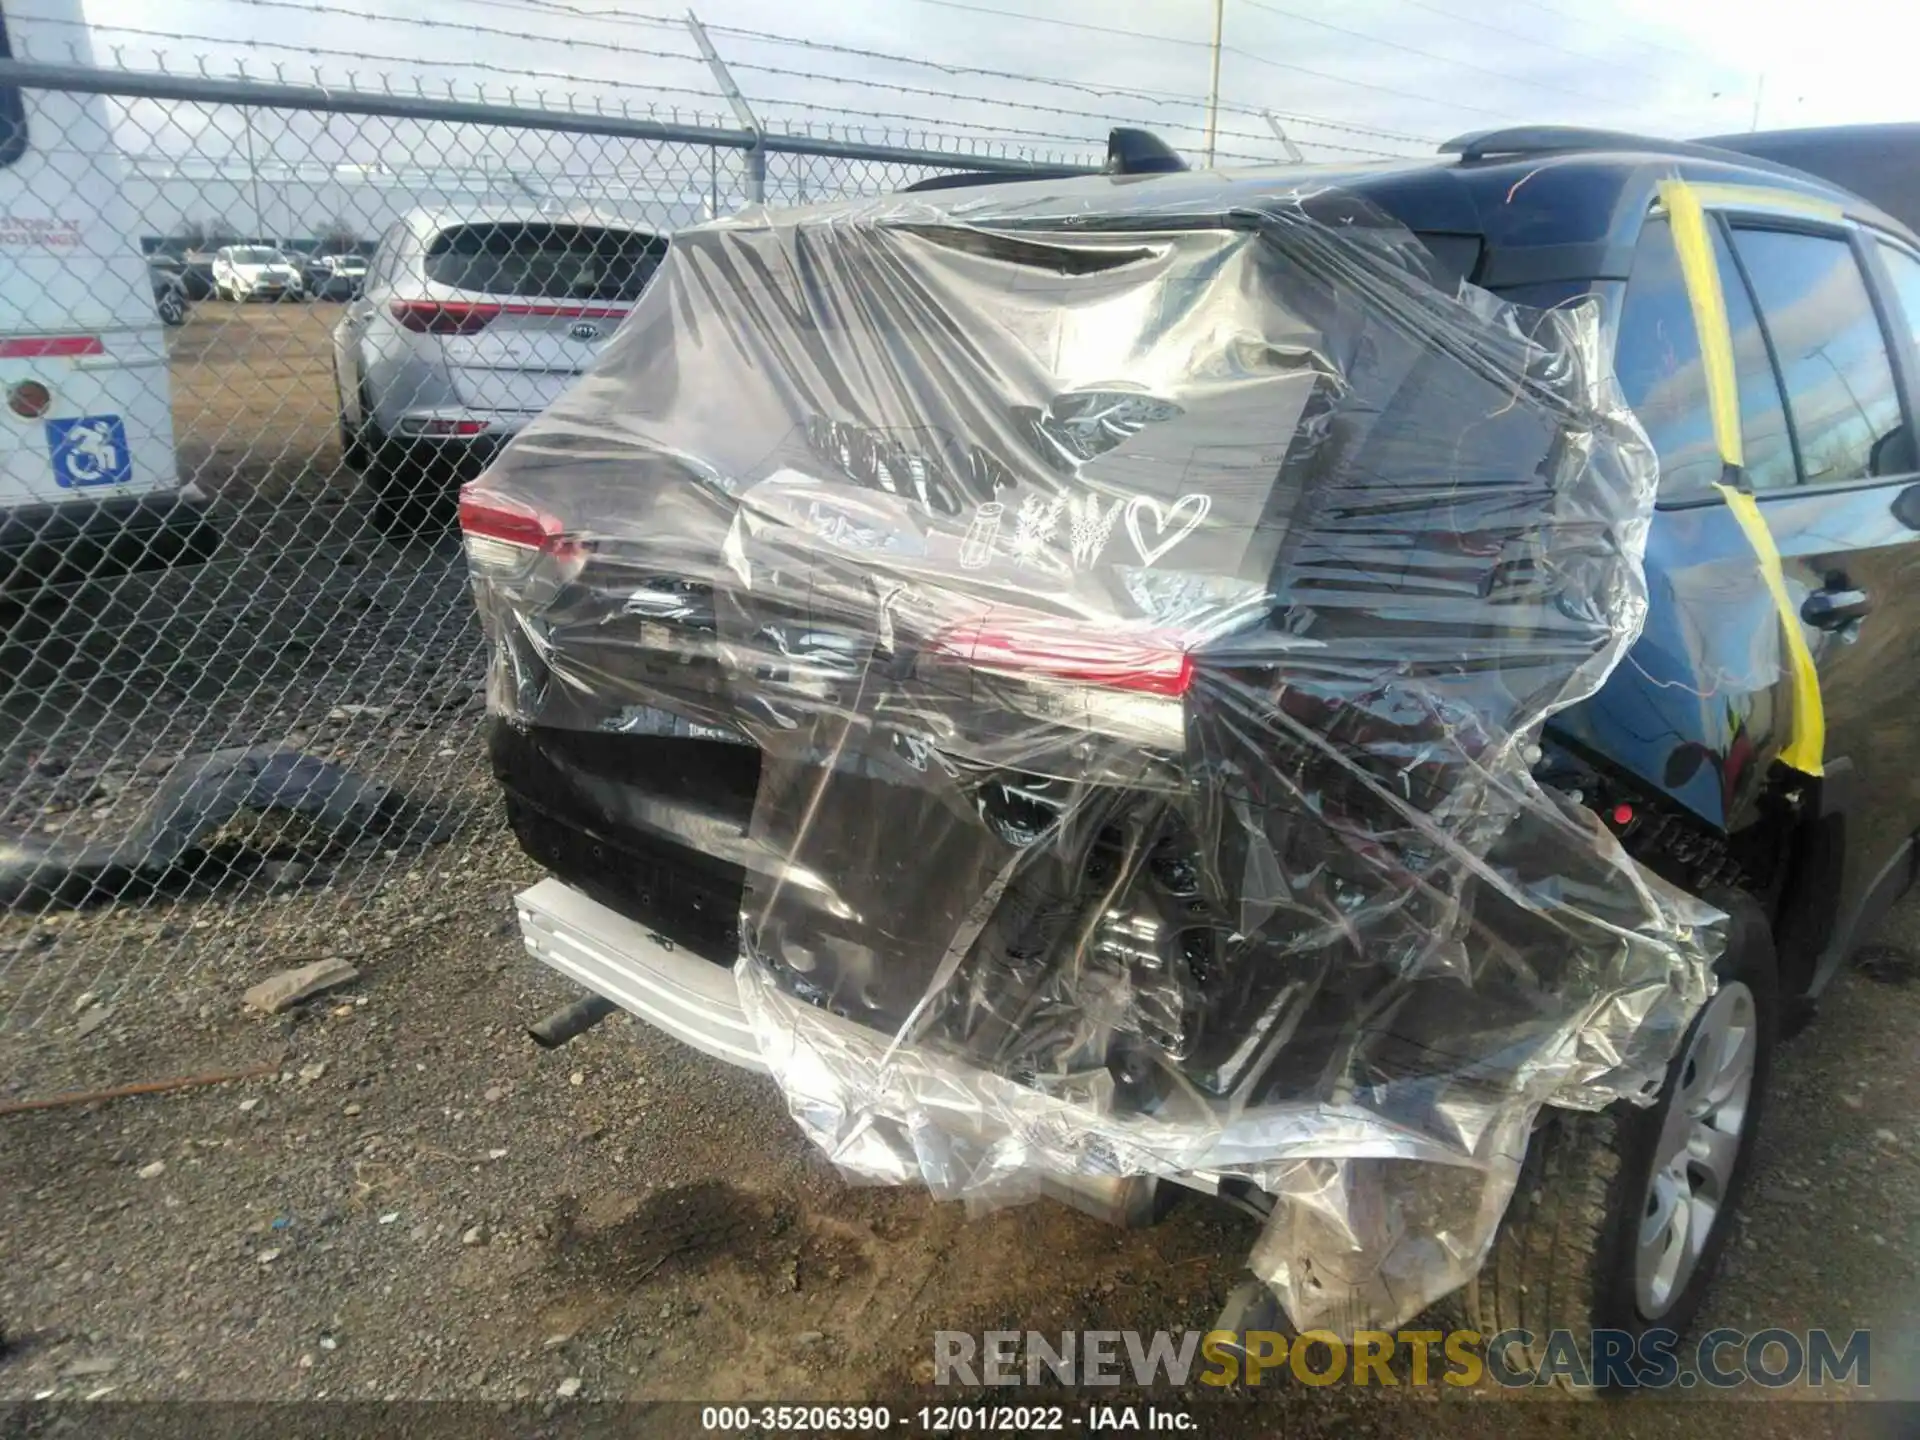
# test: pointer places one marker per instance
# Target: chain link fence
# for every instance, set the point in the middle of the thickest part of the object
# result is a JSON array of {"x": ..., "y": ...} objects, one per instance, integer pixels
[{"x": 253, "y": 335}]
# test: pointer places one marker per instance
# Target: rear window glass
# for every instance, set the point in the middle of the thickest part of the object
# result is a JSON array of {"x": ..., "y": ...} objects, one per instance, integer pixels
[
  {"x": 256, "y": 255},
  {"x": 545, "y": 261}
]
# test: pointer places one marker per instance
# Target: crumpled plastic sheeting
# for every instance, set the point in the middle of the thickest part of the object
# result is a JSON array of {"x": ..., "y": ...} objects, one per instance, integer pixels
[{"x": 1145, "y": 600}]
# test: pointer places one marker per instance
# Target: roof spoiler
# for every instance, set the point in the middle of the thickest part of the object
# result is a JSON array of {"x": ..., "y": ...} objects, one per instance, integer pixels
[{"x": 1129, "y": 152}]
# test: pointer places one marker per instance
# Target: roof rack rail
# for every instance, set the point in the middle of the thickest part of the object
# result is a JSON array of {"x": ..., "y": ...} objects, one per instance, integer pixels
[{"x": 1522, "y": 140}]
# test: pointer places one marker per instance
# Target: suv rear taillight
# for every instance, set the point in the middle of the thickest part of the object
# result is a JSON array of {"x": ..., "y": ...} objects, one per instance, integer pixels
[
  {"x": 506, "y": 539},
  {"x": 1148, "y": 664},
  {"x": 466, "y": 317},
  {"x": 443, "y": 317},
  {"x": 1072, "y": 674}
]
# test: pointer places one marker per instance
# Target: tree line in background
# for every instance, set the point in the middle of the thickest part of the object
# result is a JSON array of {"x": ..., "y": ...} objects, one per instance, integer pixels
[{"x": 337, "y": 236}]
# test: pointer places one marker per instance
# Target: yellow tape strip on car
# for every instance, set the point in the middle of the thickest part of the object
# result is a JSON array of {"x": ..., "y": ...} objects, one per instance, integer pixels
[{"x": 1807, "y": 746}]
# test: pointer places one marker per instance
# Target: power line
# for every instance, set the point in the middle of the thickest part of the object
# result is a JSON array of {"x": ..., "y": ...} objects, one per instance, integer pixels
[
  {"x": 1564, "y": 17},
  {"x": 1583, "y": 55},
  {"x": 514, "y": 71},
  {"x": 467, "y": 26},
  {"x": 1386, "y": 44},
  {"x": 1230, "y": 49}
]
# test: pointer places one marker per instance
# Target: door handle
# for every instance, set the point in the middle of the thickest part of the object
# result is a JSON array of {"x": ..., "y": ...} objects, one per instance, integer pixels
[{"x": 1835, "y": 609}]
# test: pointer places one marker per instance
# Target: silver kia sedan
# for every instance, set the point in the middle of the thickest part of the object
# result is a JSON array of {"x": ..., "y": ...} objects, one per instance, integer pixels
[{"x": 469, "y": 324}]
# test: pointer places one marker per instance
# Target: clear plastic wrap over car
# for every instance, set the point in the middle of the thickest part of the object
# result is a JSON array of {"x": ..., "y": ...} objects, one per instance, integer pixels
[{"x": 1145, "y": 599}]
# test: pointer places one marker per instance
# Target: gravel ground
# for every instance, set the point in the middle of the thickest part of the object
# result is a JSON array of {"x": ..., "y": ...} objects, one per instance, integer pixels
[
  {"x": 419, "y": 1203},
  {"x": 413, "y": 1202},
  {"x": 306, "y": 632}
]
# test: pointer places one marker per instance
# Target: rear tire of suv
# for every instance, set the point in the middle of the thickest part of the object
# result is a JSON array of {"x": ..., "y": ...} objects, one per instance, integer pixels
[
  {"x": 1619, "y": 1219},
  {"x": 354, "y": 451}
]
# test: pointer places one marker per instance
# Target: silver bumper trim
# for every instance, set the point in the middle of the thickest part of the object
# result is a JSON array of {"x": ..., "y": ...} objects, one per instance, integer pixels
[
  {"x": 668, "y": 986},
  {"x": 698, "y": 1002}
]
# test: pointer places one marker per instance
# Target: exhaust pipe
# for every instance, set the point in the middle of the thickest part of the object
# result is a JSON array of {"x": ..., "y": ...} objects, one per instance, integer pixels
[{"x": 570, "y": 1021}]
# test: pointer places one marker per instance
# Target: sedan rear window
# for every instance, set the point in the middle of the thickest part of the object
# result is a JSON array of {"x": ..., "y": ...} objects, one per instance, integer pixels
[{"x": 545, "y": 261}]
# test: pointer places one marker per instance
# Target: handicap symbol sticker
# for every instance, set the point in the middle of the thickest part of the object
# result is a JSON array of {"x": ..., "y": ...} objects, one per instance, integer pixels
[{"x": 90, "y": 450}]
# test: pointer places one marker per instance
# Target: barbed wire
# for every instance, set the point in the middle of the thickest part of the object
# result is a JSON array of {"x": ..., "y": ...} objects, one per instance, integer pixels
[
  {"x": 1143, "y": 93},
  {"x": 786, "y": 123},
  {"x": 1157, "y": 97},
  {"x": 626, "y": 18}
]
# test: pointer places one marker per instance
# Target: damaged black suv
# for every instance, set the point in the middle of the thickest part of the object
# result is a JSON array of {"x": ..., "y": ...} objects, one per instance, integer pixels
[{"x": 1151, "y": 680}]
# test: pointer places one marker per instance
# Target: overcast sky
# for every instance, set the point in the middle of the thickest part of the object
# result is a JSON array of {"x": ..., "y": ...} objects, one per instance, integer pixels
[{"x": 1342, "y": 78}]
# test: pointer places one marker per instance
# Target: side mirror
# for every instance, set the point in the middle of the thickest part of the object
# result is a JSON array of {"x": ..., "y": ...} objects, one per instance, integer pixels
[{"x": 1892, "y": 454}]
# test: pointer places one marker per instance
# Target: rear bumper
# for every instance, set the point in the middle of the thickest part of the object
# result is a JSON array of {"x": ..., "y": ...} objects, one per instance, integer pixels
[
  {"x": 698, "y": 1003},
  {"x": 439, "y": 425},
  {"x": 670, "y": 987},
  {"x": 268, "y": 289},
  {"x": 43, "y": 546}
]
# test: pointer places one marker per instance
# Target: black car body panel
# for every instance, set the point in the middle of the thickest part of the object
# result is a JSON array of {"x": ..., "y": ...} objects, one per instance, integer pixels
[{"x": 1696, "y": 716}]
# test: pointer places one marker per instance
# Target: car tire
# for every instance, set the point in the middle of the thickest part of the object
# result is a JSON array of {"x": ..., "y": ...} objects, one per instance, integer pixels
[
  {"x": 354, "y": 450},
  {"x": 172, "y": 308},
  {"x": 1569, "y": 1254}
]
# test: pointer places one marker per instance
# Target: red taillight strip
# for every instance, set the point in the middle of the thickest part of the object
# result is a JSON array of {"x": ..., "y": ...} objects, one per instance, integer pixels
[
  {"x": 1147, "y": 664},
  {"x": 43, "y": 347},
  {"x": 575, "y": 312},
  {"x": 458, "y": 317},
  {"x": 493, "y": 516}
]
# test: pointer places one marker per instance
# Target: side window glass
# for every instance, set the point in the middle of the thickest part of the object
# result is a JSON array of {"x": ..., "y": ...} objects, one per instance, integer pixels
[
  {"x": 1766, "y": 440},
  {"x": 1904, "y": 270},
  {"x": 1657, "y": 359},
  {"x": 1833, "y": 358}
]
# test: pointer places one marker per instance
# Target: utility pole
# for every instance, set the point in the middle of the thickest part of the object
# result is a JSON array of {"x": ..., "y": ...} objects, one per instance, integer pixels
[
  {"x": 253, "y": 172},
  {"x": 1759, "y": 91},
  {"x": 1213, "y": 89},
  {"x": 756, "y": 158}
]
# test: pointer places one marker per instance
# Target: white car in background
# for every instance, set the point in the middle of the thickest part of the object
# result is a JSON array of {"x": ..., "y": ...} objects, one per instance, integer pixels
[
  {"x": 255, "y": 272},
  {"x": 469, "y": 324},
  {"x": 89, "y": 486}
]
